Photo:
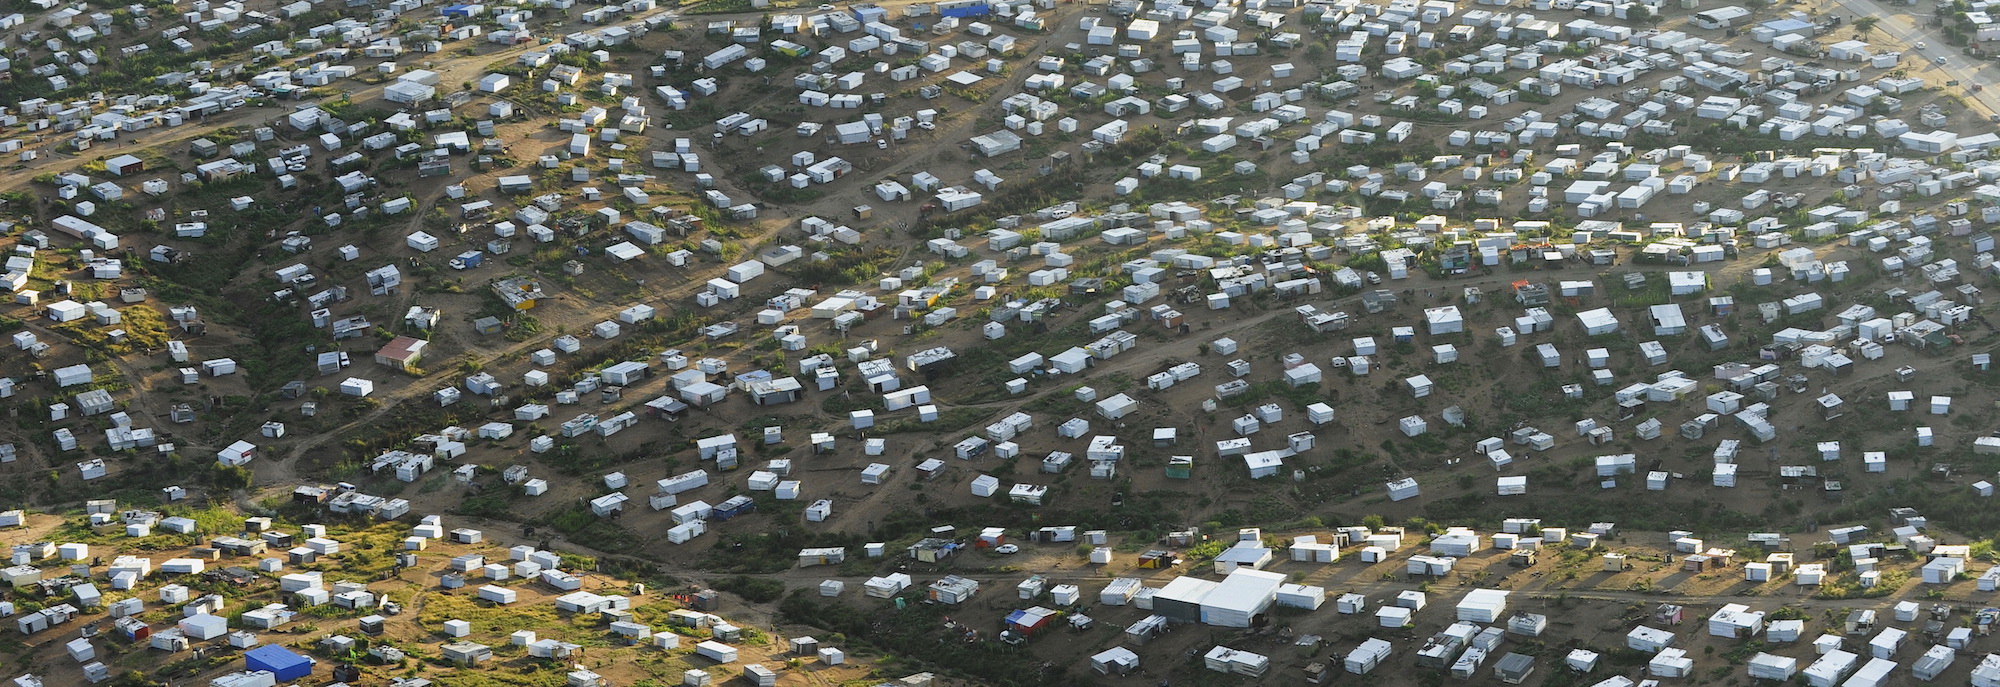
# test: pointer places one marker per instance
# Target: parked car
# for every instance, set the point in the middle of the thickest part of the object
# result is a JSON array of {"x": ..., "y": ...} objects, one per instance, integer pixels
[{"x": 1007, "y": 548}]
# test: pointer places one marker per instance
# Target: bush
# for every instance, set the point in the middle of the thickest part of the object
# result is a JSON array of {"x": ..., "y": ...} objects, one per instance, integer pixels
[
  {"x": 580, "y": 525},
  {"x": 913, "y": 633},
  {"x": 493, "y": 504},
  {"x": 753, "y": 589},
  {"x": 231, "y": 477}
]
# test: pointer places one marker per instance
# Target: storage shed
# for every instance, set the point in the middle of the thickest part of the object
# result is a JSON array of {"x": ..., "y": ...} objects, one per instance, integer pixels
[
  {"x": 1363, "y": 659},
  {"x": 1116, "y": 660}
]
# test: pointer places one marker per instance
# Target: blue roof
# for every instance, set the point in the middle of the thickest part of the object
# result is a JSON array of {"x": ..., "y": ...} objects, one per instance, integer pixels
[
  {"x": 1030, "y": 616},
  {"x": 278, "y": 660}
]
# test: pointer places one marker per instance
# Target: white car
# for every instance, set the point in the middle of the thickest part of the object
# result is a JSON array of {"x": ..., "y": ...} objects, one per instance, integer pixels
[
  {"x": 1007, "y": 548},
  {"x": 826, "y": 8},
  {"x": 1921, "y": 45}
]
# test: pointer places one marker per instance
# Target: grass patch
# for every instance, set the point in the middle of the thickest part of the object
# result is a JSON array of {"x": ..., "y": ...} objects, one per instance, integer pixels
[
  {"x": 498, "y": 621},
  {"x": 1299, "y": 396},
  {"x": 497, "y": 504},
  {"x": 1848, "y": 586},
  {"x": 580, "y": 525},
  {"x": 720, "y": 7},
  {"x": 948, "y": 421},
  {"x": 761, "y": 590},
  {"x": 916, "y": 633}
]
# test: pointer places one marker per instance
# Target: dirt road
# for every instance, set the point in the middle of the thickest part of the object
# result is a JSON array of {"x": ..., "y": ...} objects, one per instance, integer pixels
[
  {"x": 54, "y": 159},
  {"x": 1910, "y": 31}
]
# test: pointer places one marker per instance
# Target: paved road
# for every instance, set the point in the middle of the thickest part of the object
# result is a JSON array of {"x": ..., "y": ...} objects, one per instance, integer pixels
[{"x": 1901, "y": 26}]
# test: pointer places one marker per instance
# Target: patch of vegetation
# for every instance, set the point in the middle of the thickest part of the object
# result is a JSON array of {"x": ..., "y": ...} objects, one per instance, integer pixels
[
  {"x": 579, "y": 525},
  {"x": 490, "y": 618},
  {"x": 947, "y": 421},
  {"x": 917, "y": 633},
  {"x": 763, "y": 553},
  {"x": 1260, "y": 392},
  {"x": 1848, "y": 586},
  {"x": 761, "y": 590},
  {"x": 719, "y": 7},
  {"x": 846, "y": 268},
  {"x": 497, "y": 504},
  {"x": 1636, "y": 514}
]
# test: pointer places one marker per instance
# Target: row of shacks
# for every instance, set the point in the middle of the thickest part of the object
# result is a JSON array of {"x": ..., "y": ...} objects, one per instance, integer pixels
[
  {"x": 1747, "y": 397},
  {"x": 1670, "y": 387},
  {"x": 1475, "y": 641}
]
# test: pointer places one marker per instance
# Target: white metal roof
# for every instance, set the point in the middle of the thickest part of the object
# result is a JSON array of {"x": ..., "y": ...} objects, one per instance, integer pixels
[
  {"x": 1244, "y": 590},
  {"x": 1187, "y": 590}
]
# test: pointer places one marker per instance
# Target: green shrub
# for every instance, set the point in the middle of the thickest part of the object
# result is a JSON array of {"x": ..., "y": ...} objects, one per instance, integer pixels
[{"x": 753, "y": 589}]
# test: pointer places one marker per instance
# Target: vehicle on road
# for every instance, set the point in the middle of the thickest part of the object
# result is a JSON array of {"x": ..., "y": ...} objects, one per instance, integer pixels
[{"x": 1007, "y": 548}]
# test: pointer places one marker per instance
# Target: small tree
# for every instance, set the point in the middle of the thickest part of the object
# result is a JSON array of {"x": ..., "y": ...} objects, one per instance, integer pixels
[
  {"x": 1866, "y": 25},
  {"x": 231, "y": 477}
]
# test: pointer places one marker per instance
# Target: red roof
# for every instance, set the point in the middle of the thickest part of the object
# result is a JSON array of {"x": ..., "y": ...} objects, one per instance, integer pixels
[{"x": 402, "y": 349}]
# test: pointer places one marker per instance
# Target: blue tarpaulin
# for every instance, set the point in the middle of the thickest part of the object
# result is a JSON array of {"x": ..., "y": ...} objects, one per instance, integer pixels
[
  {"x": 280, "y": 661},
  {"x": 964, "y": 8}
]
